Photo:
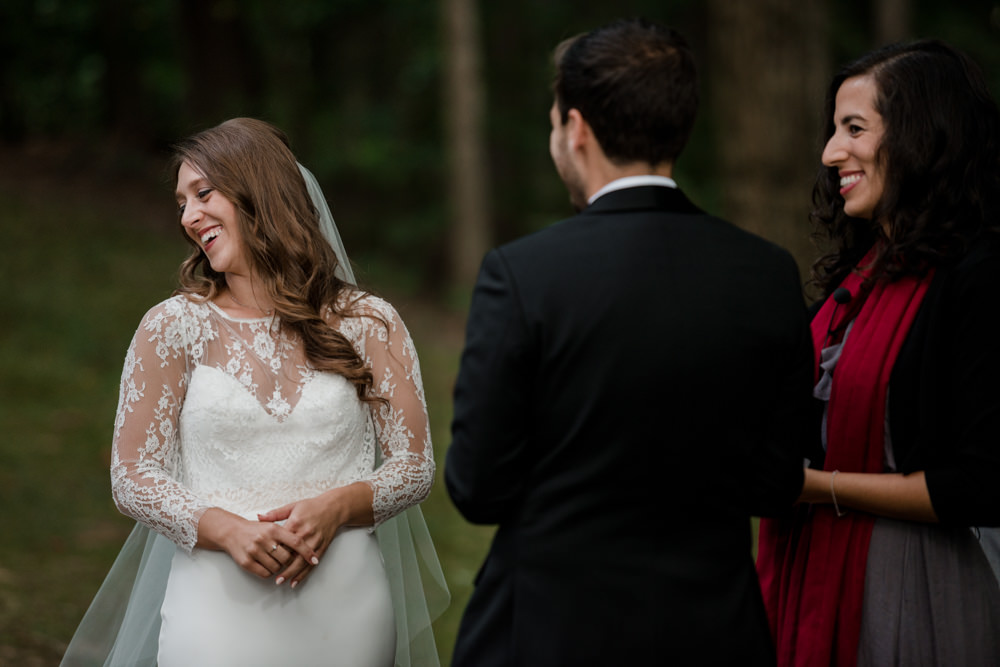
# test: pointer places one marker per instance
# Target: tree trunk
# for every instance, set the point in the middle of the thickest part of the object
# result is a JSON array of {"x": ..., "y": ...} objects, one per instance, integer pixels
[
  {"x": 222, "y": 67},
  {"x": 126, "y": 116},
  {"x": 768, "y": 70},
  {"x": 468, "y": 188},
  {"x": 892, "y": 21}
]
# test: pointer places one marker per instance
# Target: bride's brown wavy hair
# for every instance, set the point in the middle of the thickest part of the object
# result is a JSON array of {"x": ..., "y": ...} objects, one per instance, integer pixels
[{"x": 249, "y": 162}]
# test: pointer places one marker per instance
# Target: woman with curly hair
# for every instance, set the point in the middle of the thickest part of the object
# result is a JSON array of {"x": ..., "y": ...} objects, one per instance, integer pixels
[
  {"x": 881, "y": 564},
  {"x": 271, "y": 417}
]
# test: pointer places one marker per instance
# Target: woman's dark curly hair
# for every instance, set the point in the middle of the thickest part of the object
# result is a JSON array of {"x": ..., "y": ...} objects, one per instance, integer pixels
[
  {"x": 941, "y": 157},
  {"x": 249, "y": 162}
]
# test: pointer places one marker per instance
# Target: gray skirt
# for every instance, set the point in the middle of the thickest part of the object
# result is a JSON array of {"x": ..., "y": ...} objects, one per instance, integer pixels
[{"x": 930, "y": 598}]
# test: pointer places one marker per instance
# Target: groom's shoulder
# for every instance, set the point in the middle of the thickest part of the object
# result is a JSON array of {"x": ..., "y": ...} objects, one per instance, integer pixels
[
  {"x": 621, "y": 227},
  {"x": 547, "y": 239}
]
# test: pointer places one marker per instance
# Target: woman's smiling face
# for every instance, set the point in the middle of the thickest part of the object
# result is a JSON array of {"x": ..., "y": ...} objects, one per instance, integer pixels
[
  {"x": 852, "y": 149},
  {"x": 210, "y": 219}
]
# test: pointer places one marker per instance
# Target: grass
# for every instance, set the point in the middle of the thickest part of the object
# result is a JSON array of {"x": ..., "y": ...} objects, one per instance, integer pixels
[{"x": 80, "y": 264}]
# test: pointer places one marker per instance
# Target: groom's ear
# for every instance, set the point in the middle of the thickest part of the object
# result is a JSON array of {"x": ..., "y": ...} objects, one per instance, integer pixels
[
  {"x": 579, "y": 134},
  {"x": 575, "y": 127}
]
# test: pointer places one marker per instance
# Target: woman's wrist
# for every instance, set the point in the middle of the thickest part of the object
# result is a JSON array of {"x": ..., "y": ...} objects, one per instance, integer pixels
[
  {"x": 214, "y": 526},
  {"x": 816, "y": 487},
  {"x": 350, "y": 505}
]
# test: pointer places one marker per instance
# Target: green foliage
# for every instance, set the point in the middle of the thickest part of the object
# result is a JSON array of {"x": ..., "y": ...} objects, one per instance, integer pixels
[{"x": 357, "y": 86}]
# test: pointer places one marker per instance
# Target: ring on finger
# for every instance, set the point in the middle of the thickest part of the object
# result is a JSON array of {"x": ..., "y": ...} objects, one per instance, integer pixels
[{"x": 274, "y": 548}]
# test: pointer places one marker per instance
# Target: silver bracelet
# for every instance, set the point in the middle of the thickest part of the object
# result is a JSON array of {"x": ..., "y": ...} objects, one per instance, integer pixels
[{"x": 836, "y": 508}]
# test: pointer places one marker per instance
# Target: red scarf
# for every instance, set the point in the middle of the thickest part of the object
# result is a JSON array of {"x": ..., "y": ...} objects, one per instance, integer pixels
[{"x": 812, "y": 569}]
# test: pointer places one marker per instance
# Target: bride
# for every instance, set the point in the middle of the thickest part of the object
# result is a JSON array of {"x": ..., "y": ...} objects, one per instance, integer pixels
[{"x": 272, "y": 426}]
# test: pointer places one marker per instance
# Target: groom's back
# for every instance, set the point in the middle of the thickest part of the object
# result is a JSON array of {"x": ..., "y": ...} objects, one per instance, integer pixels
[
  {"x": 661, "y": 340},
  {"x": 665, "y": 347},
  {"x": 635, "y": 383}
]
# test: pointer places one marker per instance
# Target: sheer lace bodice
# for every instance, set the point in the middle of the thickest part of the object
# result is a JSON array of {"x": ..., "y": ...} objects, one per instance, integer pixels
[{"x": 222, "y": 412}]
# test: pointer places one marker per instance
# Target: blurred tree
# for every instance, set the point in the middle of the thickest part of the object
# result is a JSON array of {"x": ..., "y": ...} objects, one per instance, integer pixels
[
  {"x": 120, "y": 42},
  {"x": 358, "y": 86},
  {"x": 893, "y": 21},
  {"x": 224, "y": 74},
  {"x": 769, "y": 67},
  {"x": 464, "y": 106},
  {"x": 13, "y": 27}
]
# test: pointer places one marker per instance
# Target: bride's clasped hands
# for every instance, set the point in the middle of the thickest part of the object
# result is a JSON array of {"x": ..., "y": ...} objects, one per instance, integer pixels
[{"x": 313, "y": 523}]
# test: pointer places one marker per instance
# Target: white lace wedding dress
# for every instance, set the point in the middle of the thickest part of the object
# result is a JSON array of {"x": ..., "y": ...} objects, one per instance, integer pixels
[{"x": 223, "y": 412}]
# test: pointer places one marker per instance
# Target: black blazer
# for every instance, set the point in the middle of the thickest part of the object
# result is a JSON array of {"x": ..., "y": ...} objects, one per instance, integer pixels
[
  {"x": 944, "y": 392},
  {"x": 635, "y": 385}
]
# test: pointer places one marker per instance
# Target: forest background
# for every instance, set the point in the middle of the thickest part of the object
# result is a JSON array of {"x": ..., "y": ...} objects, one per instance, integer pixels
[{"x": 427, "y": 124}]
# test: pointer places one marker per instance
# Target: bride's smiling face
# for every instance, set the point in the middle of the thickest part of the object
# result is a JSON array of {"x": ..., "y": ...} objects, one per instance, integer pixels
[{"x": 210, "y": 219}]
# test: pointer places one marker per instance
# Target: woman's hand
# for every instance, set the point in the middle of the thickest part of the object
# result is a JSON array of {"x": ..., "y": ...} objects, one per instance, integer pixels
[
  {"x": 316, "y": 521},
  {"x": 260, "y": 548}
]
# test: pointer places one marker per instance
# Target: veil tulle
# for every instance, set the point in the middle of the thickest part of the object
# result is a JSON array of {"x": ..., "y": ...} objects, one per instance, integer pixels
[
  {"x": 328, "y": 226},
  {"x": 419, "y": 591},
  {"x": 122, "y": 625}
]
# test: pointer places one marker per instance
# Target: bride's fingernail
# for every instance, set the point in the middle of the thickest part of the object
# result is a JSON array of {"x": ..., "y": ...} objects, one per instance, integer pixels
[
  {"x": 294, "y": 583},
  {"x": 279, "y": 581},
  {"x": 314, "y": 561}
]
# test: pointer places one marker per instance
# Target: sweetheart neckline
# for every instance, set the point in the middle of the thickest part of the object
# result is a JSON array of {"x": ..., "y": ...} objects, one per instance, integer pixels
[{"x": 310, "y": 379}]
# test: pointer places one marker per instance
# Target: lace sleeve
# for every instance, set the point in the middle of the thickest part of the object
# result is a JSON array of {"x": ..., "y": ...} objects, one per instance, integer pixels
[
  {"x": 145, "y": 447},
  {"x": 401, "y": 426}
]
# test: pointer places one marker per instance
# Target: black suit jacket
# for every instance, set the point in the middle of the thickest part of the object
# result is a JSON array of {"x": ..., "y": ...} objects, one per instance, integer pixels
[{"x": 635, "y": 385}]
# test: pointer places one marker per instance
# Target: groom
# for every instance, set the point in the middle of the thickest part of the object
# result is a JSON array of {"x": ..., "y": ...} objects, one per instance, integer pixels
[{"x": 635, "y": 385}]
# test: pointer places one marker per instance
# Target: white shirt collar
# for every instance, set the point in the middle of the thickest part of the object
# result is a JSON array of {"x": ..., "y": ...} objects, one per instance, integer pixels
[{"x": 632, "y": 182}]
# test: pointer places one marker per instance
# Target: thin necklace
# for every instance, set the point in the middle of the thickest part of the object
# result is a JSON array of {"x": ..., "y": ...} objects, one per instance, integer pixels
[{"x": 240, "y": 303}]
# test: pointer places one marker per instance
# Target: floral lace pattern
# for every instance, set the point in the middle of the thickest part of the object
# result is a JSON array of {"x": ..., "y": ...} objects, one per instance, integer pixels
[{"x": 216, "y": 411}]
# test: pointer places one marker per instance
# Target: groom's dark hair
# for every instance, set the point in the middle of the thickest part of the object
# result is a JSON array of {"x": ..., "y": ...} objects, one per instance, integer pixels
[{"x": 635, "y": 84}]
